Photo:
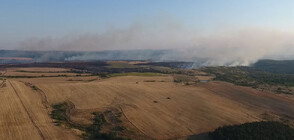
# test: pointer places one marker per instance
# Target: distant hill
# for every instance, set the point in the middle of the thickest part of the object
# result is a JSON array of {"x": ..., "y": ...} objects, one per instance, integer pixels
[
  {"x": 53, "y": 56},
  {"x": 275, "y": 66},
  {"x": 39, "y": 56},
  {"x": 159, "y": 57}
]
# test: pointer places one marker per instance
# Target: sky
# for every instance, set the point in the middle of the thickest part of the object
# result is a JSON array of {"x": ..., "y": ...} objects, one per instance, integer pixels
[
  {"x": 22, "y": 19},
  {"x": 198, "y": 25}
]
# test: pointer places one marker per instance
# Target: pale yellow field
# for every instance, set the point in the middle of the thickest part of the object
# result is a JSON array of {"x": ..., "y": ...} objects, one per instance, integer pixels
[
  {"x": 41, "y": 69},
  {"x": 206, "y": 78},
  {"x": 190, "y": 110},
  {"x": 39, "y": 72},
  {"x": 154, "y": 107},
  {"x": 23, "y": 116}
]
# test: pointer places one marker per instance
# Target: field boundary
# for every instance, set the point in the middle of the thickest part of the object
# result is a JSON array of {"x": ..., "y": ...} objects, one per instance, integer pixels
[{"x": 27, "y": 112}]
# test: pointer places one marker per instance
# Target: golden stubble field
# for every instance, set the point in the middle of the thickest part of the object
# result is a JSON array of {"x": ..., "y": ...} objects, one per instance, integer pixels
[
  {"x": 23, "y": 116},
  {"x": 153, "y": 106},
  {"x": 39, "y": 72}
]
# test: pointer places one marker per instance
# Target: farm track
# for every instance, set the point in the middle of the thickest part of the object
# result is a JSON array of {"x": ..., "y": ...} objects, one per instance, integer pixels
[
  {"x": 2, "y": 83},
  {"x": 2, "y": 74},
  {"x": 122, "y": 111},
  {"x": 43, "y": 97},
  {"x": 117, "y": 104},
  {"x": 27, "y": 112},
  {"x": 70, "y": 110},
  {"x": 44, "y": 100}
]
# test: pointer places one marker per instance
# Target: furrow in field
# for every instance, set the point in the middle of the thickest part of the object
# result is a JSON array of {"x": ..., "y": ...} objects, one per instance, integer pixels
[{"x": 27, "y": 112}]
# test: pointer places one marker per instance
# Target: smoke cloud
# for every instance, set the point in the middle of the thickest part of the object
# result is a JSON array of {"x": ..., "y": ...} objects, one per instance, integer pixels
[{"x": 222, "y": 47}]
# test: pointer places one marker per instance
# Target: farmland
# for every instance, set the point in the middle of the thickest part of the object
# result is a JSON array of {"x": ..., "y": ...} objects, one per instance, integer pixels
[{"x": 133, "y": 104}]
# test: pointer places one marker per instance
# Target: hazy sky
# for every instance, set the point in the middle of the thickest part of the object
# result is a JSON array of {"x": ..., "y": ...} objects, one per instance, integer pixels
[
  {"x": 221, "y": 30},
  {"x": 22, "y": 19}
]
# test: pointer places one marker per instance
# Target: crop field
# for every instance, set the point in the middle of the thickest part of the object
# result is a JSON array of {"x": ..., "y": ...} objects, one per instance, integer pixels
[
  {"x": 151, "y": 105},
  {"x": 15, "y": 58},
  {"x": 39, "y": 69},
  {"x": 24, "y": 116},
  {"x": 39, "y": 72}
]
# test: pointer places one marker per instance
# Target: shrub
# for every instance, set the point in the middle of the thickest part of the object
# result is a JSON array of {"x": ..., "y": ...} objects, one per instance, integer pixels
[
  {"x": 254, "y": 131},
  {"x": 59, "y": 113}
]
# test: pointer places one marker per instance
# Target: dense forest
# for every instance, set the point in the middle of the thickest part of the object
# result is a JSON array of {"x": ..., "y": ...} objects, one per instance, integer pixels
[{"x": 275, "y": 66}]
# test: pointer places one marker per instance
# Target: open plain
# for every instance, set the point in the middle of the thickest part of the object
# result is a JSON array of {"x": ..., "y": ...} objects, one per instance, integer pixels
[{"x": 153, "y": 106}]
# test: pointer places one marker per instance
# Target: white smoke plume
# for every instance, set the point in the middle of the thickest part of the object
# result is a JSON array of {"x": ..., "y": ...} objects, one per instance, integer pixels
[{"x": 234, "y": 47}]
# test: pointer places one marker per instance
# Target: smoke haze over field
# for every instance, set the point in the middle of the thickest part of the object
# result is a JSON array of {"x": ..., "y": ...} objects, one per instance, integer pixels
[
  {"x": 233, "y": 47},
  {"x": 210, "y": 31}
]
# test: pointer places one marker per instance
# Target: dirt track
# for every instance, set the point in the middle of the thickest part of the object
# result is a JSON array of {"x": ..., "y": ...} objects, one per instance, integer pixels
[
  {"x": 27, "y": 112},
  {"x": 23, "y": 116}
]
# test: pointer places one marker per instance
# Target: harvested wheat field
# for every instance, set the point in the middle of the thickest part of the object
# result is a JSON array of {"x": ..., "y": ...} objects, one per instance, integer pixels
[
  {"x": 23, "y": 115},
  {"x": 255, "y": 99},
  {"x": 40, "y": 69},
  {"x": 39, "y": 72},
  {"x": 152, "y": 107},
  {"x": 16, "y": 58},
  {"x": 160, "y": 110}
]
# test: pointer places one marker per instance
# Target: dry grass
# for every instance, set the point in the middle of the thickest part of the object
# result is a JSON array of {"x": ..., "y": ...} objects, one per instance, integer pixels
[
  {"x": 38, "y": 72},
  {"x": 16, "y": 58},
  {"x": 38, "y": 69},
  {"x": 136, "y": 74},
  {"x": 205, "y": 78},
  {"x": 120, "y": 64},
  {"x": 189, "y": 110},
  {"x": 179, "y": 110},
  {"x": 23, "y": 115}
]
